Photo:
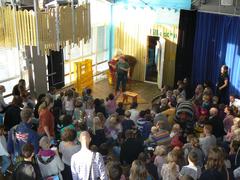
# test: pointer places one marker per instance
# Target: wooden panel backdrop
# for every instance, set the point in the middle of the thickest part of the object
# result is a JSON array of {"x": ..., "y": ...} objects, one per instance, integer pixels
[{"x": 132, "y": 39}]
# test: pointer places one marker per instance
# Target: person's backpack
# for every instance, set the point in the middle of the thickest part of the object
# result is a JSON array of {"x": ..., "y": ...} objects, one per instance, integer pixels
[
  {"x": 49, "y": 160},
  {"x": 25, "y": 171}
]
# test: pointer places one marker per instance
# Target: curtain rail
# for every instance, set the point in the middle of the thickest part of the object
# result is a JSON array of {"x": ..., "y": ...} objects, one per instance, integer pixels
[{"x": 220, "y": 13}]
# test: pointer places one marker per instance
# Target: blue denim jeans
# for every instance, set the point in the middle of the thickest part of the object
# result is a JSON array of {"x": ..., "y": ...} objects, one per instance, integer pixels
[
  {"x": 5, "y": 164},
  {"x": 1, "y": 118}
]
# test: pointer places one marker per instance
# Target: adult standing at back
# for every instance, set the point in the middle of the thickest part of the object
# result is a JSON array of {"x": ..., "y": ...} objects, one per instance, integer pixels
[
  {"x": 46, "y": 118},
  {"x": 12, "y": 114},
  {"x": 17, "y": 87},
  {"x": 122, "y": 68},
  {"x": 86, "y": 164},
  {"x": 22, "y": 134},
  {"x": 217, "y": 124},
  {"x": 222, "y": 85}
]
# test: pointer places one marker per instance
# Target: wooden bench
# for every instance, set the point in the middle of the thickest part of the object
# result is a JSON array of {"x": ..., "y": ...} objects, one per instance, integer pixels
[{"x": 132, "y": 95}]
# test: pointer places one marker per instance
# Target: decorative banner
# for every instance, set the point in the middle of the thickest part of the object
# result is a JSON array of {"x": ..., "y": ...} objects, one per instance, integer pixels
[{"x": 169, "y": 32}]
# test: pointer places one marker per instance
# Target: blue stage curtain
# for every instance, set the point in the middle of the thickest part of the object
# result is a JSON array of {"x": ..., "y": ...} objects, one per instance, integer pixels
[{"x": 217, "y": 42}]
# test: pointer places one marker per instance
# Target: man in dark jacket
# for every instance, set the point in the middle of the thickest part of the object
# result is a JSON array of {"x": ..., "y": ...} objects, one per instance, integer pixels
[
  {"x": 12, "y": 114},
  {"x": 217, "y": 123},
  {"x": 130, "y": 149},
  {"x": 22, "y": 134}
]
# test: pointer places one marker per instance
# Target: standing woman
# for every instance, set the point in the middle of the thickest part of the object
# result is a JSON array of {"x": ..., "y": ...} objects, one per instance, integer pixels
[
  {"x": 12, "y": 114},
  {"x": 46, "y": 118},
  {"x": 222, "y": 85},
  {"x": 122, "y": 73}
]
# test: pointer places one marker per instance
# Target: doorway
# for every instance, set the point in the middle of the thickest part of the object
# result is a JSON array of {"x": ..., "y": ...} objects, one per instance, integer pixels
[{"x": 151, "y": 66}]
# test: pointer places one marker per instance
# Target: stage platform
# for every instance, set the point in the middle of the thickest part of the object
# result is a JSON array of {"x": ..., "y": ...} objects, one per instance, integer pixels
[{"x": 146, "y": 92}]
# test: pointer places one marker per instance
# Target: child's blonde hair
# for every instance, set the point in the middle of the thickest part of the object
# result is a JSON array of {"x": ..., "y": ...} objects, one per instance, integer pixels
[
  {"x": 160, "y": 150},
  {"x": 176, "y": 127},
  {"x": 172, "y": 159},
  {"x": 195, "y": 142},
  {"x": 236, "y": 121},
  {"x": 208, "y": 127},
  {"x": 236, "y": 134},
  {"x": 154, "y": 130}
]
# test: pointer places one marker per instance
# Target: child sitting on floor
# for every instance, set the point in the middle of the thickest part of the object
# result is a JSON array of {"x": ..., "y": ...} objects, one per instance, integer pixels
[
  {"x": 78, "y": 113},
  {"x": 170, "y": 170},
  {"x": 160, "y": 159},
  {"x": 191, "y": 169},
  {"x": 158, "y": 136},
  {"x": 120, "y": 110}
]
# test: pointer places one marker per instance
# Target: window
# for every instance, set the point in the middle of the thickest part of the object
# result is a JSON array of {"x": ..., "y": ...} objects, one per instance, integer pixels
[
  {"x": 9, "y": 59},
  {"x": 9, "y": 68},
  {"x": 97, "y": 48}
]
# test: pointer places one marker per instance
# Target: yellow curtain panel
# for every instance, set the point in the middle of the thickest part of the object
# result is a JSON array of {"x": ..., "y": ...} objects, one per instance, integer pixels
[
  {"x": 132, "y": 39},
  {"x": 8, "y": 35}
]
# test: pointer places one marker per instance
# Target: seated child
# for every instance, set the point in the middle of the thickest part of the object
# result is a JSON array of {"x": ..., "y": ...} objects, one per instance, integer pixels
[
  {"x": 111, "y": 104},
  {"x": 208, "y": 140},
  {"x": 170, "y": 170},
  {"x": 78, "y": 113},
  {"x": 67, "y": 123},
  {"x": 160, "y": 159},
  {"x": 176, "y": 136},
  {"x": 191, "y": 169},
  {"x": 120, "y": 110},
  {"x": 158, "y": 136},
  {"x": 203, "y": 115},
  {"x": 115, "y": 171}
]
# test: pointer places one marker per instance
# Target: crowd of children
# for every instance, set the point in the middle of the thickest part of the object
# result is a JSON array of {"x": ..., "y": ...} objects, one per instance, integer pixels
[{"x": 181, "y": 136}]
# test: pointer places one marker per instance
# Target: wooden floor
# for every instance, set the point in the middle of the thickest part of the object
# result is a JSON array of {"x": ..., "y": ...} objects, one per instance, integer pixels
[{"x": 145, "y": 90}]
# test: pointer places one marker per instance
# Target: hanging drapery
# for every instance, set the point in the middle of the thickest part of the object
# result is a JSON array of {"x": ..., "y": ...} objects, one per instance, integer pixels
[
  {"x": 184, "y": 55},
  {"x": 55, "y": 27},
  {"x": 217, "y": 42},
  {"x": 7, "y": 31},
  {"x": 65, "y": 20}
]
